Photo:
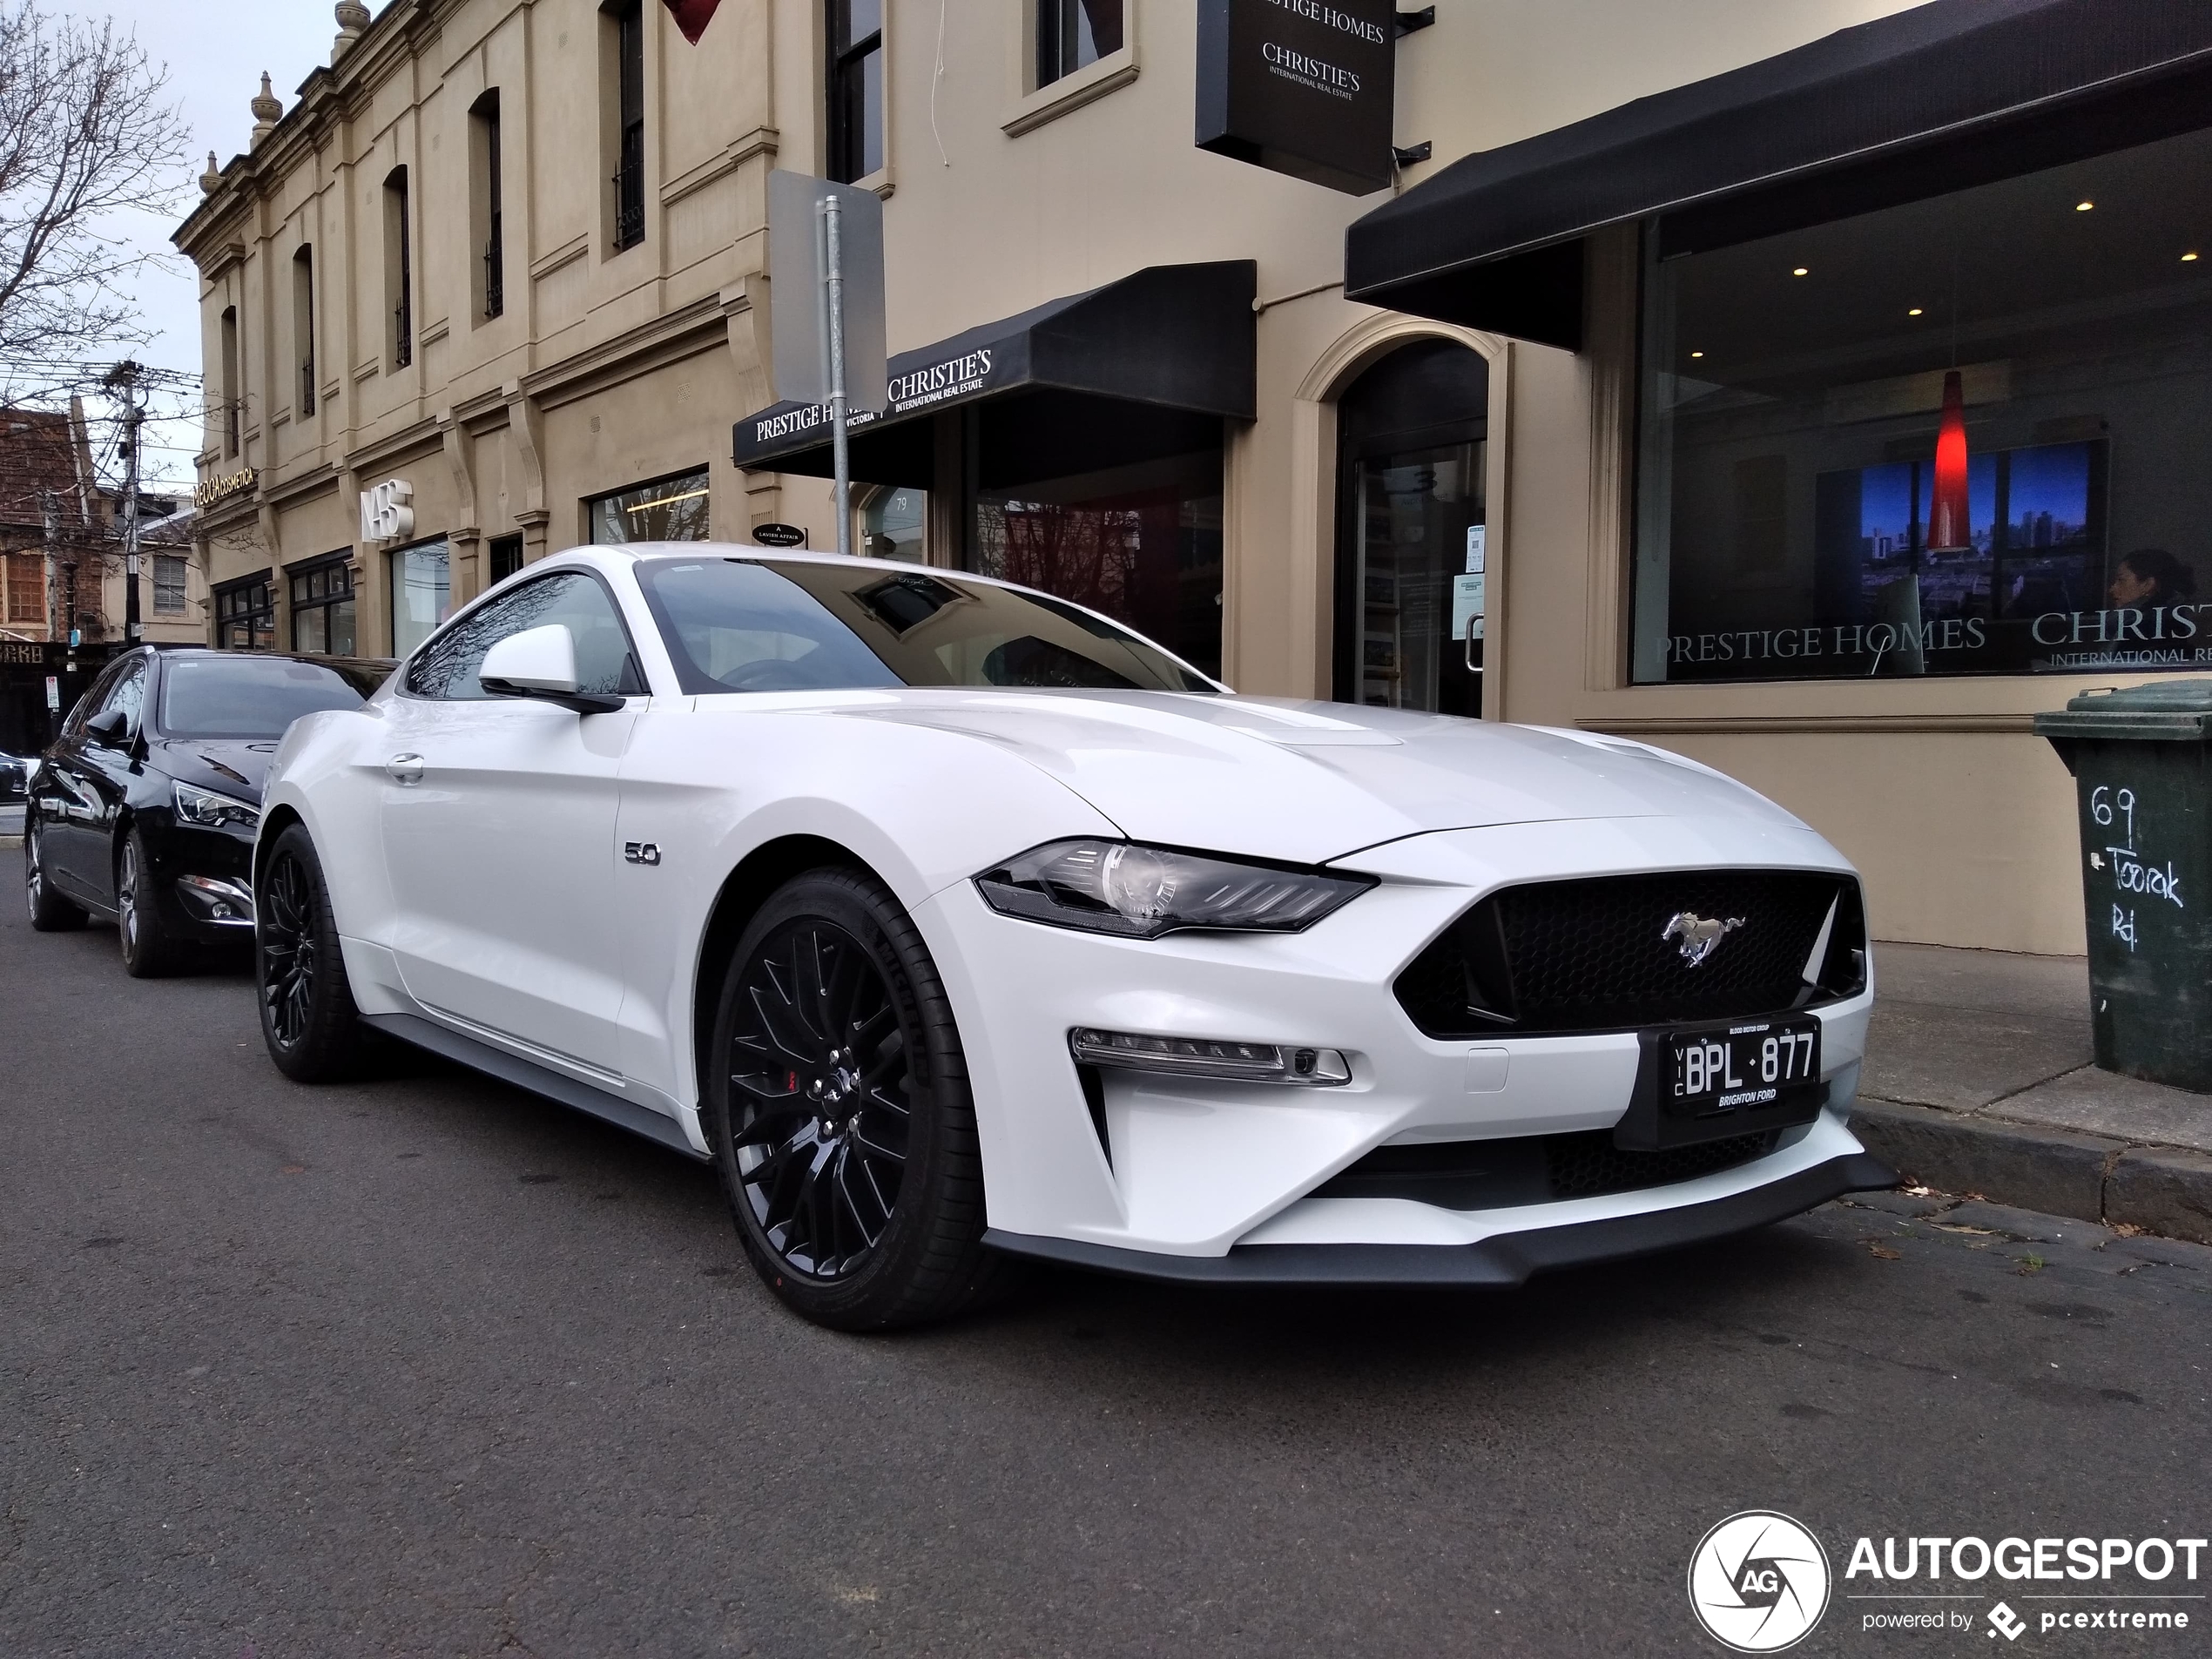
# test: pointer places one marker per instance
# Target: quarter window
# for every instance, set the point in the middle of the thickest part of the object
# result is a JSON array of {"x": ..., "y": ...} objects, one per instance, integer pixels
[{"x": 447, "y": 669}]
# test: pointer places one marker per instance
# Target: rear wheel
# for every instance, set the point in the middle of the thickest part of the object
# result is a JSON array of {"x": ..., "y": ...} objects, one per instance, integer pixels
[
  {"x": 838, "y": 1112},
  {"x": 50, "y": 912},
  {"x": 314, "y": 1032},
  {"x": 150, "y": 950}
]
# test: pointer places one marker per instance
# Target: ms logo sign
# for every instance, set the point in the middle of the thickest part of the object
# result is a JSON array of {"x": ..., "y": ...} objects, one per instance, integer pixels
[
  {"x": 387, "y": 515},
  {"x": 1758, "y": 1582}
]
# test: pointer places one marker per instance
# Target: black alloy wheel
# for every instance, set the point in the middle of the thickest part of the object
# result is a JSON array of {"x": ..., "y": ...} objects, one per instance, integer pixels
[
  {"x": 839, "y": 1115},
  {"x": 149, "y": 949},
  {"x": 50, "y": 912},
  {"x": 308, "y": 1020}
]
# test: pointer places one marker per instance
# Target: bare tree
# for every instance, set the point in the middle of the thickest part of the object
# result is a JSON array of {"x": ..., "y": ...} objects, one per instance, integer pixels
[{"x": 85, "y": 140}]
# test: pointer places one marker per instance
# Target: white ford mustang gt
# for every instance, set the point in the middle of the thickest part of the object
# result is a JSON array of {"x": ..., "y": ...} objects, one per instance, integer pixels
[{"x": 957, "y": 924}]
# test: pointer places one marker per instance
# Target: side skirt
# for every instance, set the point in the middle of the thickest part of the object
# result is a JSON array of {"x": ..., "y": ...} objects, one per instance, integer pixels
[{"x": 539, "y": 1080}]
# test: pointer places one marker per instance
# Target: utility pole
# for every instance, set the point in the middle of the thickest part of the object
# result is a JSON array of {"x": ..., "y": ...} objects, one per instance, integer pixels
[
  {"x": 50, "y": 508},
  {"x": 124, "y": 378}
]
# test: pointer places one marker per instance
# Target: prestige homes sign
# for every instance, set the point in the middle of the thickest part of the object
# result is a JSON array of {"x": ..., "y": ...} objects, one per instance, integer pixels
[{"x": 1301, "y": 86}]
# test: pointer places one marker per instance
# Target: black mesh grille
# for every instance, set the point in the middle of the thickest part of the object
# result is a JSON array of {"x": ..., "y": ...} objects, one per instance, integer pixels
[
  {"x": 1594, "y": 956},
  {"x": 1532, "y": 1169}
]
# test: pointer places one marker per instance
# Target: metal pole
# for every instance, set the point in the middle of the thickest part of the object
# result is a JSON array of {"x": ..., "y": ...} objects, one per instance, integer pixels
[
  {"x": 51, "y": 508},
  {"x": 840, "y": 448}
]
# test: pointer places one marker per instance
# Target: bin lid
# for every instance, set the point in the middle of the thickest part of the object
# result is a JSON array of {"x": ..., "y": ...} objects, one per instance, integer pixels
[{"x": 2176, "y": 711}]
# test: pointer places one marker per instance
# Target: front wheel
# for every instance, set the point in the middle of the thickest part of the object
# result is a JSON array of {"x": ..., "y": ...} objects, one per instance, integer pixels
[
  {"x": 838, "y": 1112},
  {"x": 314, "y": 1032},
  {"x": 150, "y": 950},
  {"x": 50, "y": 912}
]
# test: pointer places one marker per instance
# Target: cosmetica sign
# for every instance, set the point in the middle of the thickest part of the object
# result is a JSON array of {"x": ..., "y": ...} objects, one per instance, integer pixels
[{"x": 1303, "y": 87}]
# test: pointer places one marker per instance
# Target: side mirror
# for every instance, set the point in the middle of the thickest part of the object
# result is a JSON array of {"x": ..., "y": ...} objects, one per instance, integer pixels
[
  {"x": 110, "y": 729},
  {"x": 540, "y": 663}
]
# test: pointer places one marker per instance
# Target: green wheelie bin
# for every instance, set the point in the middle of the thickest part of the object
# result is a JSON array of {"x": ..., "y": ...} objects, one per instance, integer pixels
[{"x": 2142, "y": 760}]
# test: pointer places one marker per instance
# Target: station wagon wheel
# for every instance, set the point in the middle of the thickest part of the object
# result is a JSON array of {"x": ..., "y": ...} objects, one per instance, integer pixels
[
  {"x": 308, "y": 1020},
  {"x": 839, "y": 1113}
]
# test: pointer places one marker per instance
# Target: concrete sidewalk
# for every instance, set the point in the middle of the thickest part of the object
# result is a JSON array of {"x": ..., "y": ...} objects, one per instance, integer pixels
[{"x": 1979, "y": 1081}]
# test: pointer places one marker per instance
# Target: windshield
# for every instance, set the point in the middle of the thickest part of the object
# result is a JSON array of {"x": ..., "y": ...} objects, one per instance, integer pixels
[
  {"x": 251, "y": 697},
  {"x": 789, "y": 625}
]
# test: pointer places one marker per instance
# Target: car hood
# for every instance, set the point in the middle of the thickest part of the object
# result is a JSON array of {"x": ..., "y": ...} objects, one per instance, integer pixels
[
  {"x": 229, "y": 766},
  {"x": 1310, "y": 781}
]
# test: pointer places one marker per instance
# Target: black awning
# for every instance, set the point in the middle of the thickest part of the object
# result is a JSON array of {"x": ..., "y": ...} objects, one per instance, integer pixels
[
  {"x": 1177, "y": 339},
  {"x": 1942, "y": 96}
]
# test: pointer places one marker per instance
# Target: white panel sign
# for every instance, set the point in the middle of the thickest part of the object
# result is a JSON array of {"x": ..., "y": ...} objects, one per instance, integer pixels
[{"x": 387, "y": 515}]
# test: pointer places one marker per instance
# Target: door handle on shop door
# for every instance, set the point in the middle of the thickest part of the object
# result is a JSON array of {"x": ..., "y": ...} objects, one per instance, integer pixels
[{"x": 404, "y": 769}]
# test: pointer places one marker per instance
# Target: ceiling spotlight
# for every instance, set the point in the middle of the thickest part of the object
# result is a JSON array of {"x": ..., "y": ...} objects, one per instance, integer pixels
[
  {"x": 2083, "y": 207},
  {"x": 1914, "y": 312},
  {"x": 1801, "y": 271},
  {"x": 2187, "y": 258},
  {"x": 1697, "y": 354}
]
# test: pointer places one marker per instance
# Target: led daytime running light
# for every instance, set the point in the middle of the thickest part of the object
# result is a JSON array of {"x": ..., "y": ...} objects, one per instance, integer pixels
[{"x": 1255, "y": 1062}]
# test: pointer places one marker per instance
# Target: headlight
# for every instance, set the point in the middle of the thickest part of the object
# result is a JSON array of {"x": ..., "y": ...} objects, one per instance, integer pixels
[
  {"x": 212, "y": 810},
  {"x": 1142, "y": 891}
]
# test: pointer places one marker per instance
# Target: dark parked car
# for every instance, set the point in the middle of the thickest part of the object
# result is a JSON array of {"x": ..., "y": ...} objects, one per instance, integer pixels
[
  {"x": 15, "y": 778},
  {"x": 145, "y": 809}
]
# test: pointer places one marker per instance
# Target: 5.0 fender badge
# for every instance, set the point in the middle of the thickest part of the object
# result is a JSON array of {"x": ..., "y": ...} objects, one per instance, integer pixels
[
  {"x": 1699, "y": 937},
  {"x": 641, "y": 852}
]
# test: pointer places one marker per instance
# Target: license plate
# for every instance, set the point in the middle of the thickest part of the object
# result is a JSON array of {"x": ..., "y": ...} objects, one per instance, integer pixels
[{"x": 1746, "y": 1070}]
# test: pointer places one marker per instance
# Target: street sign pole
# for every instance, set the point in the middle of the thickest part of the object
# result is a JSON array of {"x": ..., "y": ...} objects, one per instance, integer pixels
[{"x": 840, "y": 442}]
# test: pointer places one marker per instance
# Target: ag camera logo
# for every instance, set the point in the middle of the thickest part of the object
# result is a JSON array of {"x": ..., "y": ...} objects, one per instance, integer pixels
[{"x": 1758, "y": 1582}]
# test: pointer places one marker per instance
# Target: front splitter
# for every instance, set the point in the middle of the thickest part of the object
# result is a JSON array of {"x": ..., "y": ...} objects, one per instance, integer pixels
[{"x": 1501, "y": 1262}]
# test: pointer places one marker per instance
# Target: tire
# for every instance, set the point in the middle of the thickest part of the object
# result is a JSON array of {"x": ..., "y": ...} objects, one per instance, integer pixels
[
  {"x": 838, "y": 1112},
  {"x": 314, "y": 1032},
  {"x": 150, "y": 950},
  {"x": 50, "y": 912}
]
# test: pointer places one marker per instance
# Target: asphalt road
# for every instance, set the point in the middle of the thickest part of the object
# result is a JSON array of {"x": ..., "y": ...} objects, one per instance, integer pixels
[{"x": 424, "y": 1365}]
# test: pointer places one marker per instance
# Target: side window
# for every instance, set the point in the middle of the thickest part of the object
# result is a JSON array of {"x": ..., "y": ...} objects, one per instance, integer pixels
[
  {"x": 446, "y": 669},
  {"x": 93, "y": 700},
  {"x": 130, "y": 696}
]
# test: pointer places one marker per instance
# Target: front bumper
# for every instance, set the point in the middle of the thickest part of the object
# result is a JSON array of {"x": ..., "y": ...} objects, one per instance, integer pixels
[
  {"x": 1205, "y": 1171},
  {"x": 1501, "y": 1262}
]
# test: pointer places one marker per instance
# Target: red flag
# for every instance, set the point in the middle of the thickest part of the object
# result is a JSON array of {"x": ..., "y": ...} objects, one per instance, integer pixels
[{"x": 693, "y": 16}]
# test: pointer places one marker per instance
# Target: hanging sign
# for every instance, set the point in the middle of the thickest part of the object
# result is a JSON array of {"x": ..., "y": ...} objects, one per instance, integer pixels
[{"x": 1301, "y": 86}]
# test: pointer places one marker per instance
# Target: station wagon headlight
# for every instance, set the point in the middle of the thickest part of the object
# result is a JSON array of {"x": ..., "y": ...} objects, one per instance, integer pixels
[
  {"x": 1143, "y": 892},
  {"x": 212, "y": 810}
]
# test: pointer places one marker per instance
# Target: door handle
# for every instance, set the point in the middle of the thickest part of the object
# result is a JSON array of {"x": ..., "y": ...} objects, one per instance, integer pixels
[{"x": 404, "y": 769}]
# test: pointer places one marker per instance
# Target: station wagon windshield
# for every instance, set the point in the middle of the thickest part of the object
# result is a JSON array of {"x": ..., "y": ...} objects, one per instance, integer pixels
[{"x": 789, "y": 625}]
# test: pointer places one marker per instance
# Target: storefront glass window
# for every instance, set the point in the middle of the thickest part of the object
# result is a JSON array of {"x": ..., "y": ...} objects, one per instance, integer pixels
[
  {"x": 1958, "y": 436},
  {"x": 322, "y": 609},
  {"x": 422, "y": 594},
  {"x": 1141, "y": 544},
  {"x": 245, "y": 615},
  {"x": 668, "y": 509},
  {"x": 891, "y": 524}
]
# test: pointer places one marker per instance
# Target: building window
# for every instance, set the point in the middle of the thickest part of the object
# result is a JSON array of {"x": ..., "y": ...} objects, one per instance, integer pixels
[
  {"x": 484, "y": 205},
  {"x": 893, "y": 523},
  {"x": 303, "y": 324},
  {"x": 1074, "y": 34},
  {"x": 506, "y": 556},
  {"x": 1141, "y": 544},
  {"x": 26, "y": 587},
  {"x": 855, "y": 89},
  {"x": 169, "y": 571},
  {"x": 245, "y": 615},
  {"x": 1948, "y": 437},
  {"x": 322, "y": 608},
  {"x": 232, "y": 384},
  {"x": 626, "y": 34},
  {"x": 399, "y": 267},
  {"x": 667, "y": 509},
  {"x": 421, "y": 593}
]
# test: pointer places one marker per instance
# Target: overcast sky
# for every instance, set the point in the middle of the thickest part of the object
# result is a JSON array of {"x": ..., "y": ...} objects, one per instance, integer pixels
[{"x": 215, "y": 54}]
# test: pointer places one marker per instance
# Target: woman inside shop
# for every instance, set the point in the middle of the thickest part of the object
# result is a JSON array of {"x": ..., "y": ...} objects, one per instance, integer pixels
[{"x": 2149, "y": 577}]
